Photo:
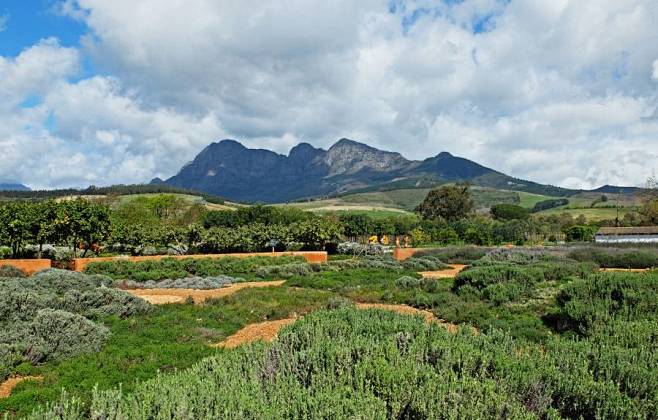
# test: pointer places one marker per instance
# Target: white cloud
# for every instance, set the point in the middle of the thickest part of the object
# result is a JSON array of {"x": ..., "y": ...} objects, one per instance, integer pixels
[
  {"x": 3, "y": 22},
  {"x": 555, "y": 91}
]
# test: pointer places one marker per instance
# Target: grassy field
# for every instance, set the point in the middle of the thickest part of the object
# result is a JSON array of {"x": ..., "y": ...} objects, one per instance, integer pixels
[
  {"x": 596, "y": 213},
  {"x": 404, "y": 200}
]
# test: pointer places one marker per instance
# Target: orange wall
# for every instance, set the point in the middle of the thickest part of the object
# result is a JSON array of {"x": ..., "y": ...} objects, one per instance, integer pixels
[
  {"x": 79, "y": 264},
  {"x": 29, "y": 266},
  {"x": 404, "y": 253}
]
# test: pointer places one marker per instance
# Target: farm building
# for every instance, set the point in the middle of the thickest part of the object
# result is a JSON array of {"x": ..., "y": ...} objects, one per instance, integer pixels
[{"x": 617, "y": 235}]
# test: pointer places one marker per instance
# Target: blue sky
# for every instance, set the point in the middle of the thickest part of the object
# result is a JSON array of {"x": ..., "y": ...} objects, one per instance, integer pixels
[
  {"x": 28, "y": 21},
  {"x": 556, "y": 91}
]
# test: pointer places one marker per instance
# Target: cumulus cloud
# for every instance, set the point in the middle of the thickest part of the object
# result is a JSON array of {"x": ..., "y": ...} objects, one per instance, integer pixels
[{"x": 552, "y": 90}]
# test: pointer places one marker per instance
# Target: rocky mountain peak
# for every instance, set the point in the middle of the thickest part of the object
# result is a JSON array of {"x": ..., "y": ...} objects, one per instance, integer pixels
[{"x": 349, "y": 157}]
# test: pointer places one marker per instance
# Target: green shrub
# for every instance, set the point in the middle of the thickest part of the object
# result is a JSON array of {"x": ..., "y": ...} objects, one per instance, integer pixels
[
  {"x": 424, "y": 263},
  {"x": 587, "y": 303},
  {"x": 617, "y": 258},
  {"x": 284, "y": 271},
  {"x": 11, "y": 271},
  {"x": 339, "y": 302},
  {"x": 408, "y": 282},
  {"x": 103, "y": 302},
  {"x": 199, "y": 283},
  {"x": 456, "y": 255},
  {"x": 52, "y": 335},
  {"x": 57, "y": 335},
  {"x": 502, "y": 282}
]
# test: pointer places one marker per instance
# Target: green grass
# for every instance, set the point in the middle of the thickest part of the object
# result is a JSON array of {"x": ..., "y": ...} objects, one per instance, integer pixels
[
  {"x": 528, "y": 200},
  {"x": 374, "y": 214},
  {"x": 171, "y": 337},
  {"x": 594, "y": 214}
]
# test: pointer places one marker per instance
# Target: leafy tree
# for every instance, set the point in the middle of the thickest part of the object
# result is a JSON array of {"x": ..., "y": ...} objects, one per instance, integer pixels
[
  {"x": 15, "y": 226},
  {"x": 356, "y": 225},
  {"x": 42, "y": 219},
  {"x": 450, "y": 202},
  {"x": 649, "y": 209},
  {"x": 509, "y": 212},
  {"x": 581, "y": 233},
  {"x": 89, "y": 223}
]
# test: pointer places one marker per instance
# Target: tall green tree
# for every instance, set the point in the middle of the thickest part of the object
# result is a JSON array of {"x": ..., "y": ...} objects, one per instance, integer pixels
[
  {"x": 649, "y": 209},
  {"x": 450, "y": 202},
  {"x": 15, "y": 226}
]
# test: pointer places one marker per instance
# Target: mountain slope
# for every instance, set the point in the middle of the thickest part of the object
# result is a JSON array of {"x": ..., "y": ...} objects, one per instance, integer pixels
[
  {"x": 229, "y": 169},
  {"x": 13, "y": 186}
]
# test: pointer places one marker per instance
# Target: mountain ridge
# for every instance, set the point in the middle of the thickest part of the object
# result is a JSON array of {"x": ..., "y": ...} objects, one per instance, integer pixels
[{"x": 229, "y": 169}]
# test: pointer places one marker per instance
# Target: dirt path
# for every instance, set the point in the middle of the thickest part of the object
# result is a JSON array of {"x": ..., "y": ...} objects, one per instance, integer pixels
[
  {"x": 265, "y": 331},
  {"x": 162, "y": 296},
  {"x": 625, "y": 270},
  {"x": 268, "y": 330},
  {"x": 8, "y": 386},
  {"x": 443, "y": 274}
]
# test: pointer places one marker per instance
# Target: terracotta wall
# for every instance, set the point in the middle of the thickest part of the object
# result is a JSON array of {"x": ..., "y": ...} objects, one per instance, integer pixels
[
  {"x": 29, "y": 266},
  {"x": 79, "y": 264},
  {"x": 401, "y": 254}
]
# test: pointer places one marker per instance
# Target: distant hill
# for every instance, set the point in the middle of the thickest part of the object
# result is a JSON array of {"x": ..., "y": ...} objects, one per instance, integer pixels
[
  {"x": 115, "y": 190},
  {"x": 229, "y": 169},
  {"x": 11, "y": 186}
]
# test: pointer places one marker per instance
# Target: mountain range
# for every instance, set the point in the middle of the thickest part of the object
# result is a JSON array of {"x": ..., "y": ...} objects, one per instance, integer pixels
[{"x": 229, "y": 169}]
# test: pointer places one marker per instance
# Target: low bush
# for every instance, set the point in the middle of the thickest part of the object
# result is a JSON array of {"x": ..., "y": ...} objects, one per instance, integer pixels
[
  {"x": 408, "y": 282},
  {"x": 52, "y": 335},
  {"x": 424, "y": 263},
  {"x": 456, "y": 255},
  {"x": 504, "y": 282},
  {"x": 355, "y": 248},
  {"x": 102, "y": 302},
  {"x": 617, "y": 258},
  {"x": 606, "y": 297},
  {"x": 45, "y": 317},
  {"x": 517, "y": 256},
  {"x": 11, "y": 271},
  {"x": 199, "y": 283},
  {"x": 285, "y": 271},
  {"x": 339, "y": 302}
]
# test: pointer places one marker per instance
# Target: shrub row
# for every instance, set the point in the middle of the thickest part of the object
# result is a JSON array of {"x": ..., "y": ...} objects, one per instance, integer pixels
[
  {"x": 456, "y": 255},
  {"x": 504, "y": 282},
  {"x": 199, "y": 283},
  {"x": 617, "y": 258},
  {"x": 173, "y": 268},
  {"x": 427, "y": 263},
  {"x": 350, "y": 364}
]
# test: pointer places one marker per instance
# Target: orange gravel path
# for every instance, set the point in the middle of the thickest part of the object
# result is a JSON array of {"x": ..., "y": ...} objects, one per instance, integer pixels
[
  {"x": 626, "y": 270},
  {"x": 443, "y": 274},
  {"x": 265, "y": 331},
  {"x": 162, "y": 296},
  {"x": 8, "y": 386}
]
